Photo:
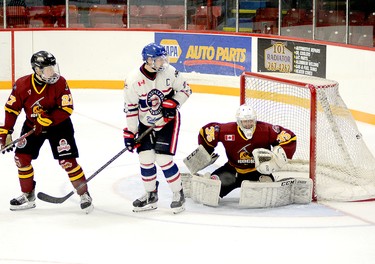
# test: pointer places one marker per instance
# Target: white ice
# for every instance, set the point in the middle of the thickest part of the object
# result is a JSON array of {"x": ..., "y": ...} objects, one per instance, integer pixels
[{"x": 61, "y": 233}]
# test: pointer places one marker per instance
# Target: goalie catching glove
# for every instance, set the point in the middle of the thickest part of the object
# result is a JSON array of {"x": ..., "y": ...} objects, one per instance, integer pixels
[
  {"x": 5, "y": 139},
  {"x": 267, "y": 161}
]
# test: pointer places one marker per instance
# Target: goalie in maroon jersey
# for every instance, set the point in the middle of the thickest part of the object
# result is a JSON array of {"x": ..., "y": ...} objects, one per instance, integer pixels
[
  {"x": 254, "y": 150},
  {"x": 47, "y": 102}
]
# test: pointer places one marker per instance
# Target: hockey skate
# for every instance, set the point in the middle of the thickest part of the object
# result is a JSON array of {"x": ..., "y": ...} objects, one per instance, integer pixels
[
  {"x": 86, "y": 203},
  {"x": 147, "y": 202},
  {"x": 23, "y": 202},
  {"x": 178, "y": 202}
]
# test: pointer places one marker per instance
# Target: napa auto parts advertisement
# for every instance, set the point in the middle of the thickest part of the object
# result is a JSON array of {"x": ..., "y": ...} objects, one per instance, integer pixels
[{"x": 211, "y": 54}]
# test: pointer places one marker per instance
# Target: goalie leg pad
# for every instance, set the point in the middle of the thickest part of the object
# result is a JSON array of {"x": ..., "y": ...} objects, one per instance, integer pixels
[
  {"x": 266, "y": 194},
  {"x": 186, "y": 183},
  {"x": 205, "y": 190},
  {"x": 302, "y": 190},
  {"x": 199, "y": 159},
  {"x": 274, "y": 194}
]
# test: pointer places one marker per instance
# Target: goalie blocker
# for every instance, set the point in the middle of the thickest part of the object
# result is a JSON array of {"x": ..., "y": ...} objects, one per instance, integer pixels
[
  {"x": 205, "y": 190},
  {"x": 199, "y": 159}
]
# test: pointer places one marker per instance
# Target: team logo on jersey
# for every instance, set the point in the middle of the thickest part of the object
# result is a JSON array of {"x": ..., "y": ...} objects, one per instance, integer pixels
[
  {"x": 245, "y": 158},
  {"x": 154, "y": 99},
  {"x": 229, "y": 137},
  {"x": 63, "y": 146},
  {"x": 37, "y": 108}
]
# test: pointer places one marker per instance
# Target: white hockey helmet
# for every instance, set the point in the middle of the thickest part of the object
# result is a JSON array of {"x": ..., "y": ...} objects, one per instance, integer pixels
[{"x": 246, "y": 120}]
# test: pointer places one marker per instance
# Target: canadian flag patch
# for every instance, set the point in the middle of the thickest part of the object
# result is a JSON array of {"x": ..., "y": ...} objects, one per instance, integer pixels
[{"x": 229, "y": 137}]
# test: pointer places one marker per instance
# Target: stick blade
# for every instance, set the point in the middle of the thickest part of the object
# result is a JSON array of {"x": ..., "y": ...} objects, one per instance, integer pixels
[{"x": 50, "y": 199}]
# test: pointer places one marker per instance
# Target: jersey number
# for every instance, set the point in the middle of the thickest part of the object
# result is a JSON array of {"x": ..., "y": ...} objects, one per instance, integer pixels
[{"x": 66, "y": 100}]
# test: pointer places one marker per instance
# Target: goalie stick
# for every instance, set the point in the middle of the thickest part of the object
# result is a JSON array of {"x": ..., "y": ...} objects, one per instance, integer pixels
[
  {"x": 14, "y": 142},
  {"x": 58, "y": 200}
]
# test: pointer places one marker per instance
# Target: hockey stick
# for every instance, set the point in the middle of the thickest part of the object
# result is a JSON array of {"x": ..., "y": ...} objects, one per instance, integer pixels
[
  {"x": 58, "y": 200},
  {"x": 14, "y": 142}
]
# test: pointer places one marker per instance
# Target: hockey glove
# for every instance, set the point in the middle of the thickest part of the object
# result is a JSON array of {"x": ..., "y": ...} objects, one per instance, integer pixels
[
  {"x": 129, "y": 140},
  {"x": 42, "y": 120},
  {"x": 6, "y": 139},
  {"x": 169, "y": 109}
]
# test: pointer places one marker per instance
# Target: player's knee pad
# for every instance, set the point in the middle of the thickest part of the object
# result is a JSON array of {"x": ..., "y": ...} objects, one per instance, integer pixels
[
  {"x": 22, "y": 160},
  {"x": 68, "y": 164},
  {"x": 147, "y": 157},
  {"x": 163, "y": 159}
]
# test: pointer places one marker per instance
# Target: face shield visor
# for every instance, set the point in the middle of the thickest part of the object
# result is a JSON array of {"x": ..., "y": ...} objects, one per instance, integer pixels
[
  {"x": 247, "y": 126},
  {"x": 49, "y": 74},
  {"x": 160, "y": 63}
]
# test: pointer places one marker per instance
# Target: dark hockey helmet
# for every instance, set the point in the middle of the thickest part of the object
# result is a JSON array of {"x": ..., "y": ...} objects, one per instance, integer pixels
[
  {"x": 158, "y": 54},
  {"x": 45, "y": 67}
]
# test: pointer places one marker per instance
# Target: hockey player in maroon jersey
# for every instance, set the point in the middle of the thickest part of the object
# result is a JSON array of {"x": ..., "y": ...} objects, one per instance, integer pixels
[
  {"x": 47, "y": 102},
  {"x": 242, "y": 141}
]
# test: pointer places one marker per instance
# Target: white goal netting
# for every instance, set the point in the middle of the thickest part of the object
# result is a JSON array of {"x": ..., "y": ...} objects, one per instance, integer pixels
[{"x": 330, "y": 149}]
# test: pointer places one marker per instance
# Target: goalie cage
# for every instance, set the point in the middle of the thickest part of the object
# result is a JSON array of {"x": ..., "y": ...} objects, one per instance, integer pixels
[{"x": 329, "y": 146}]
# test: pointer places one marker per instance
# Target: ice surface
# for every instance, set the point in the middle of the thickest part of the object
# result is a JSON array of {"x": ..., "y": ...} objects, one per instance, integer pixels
[{"x": 61, "y": 233}]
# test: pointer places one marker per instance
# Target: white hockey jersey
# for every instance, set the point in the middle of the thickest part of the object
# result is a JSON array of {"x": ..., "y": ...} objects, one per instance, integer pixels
[{"x": 144, "y": 96}]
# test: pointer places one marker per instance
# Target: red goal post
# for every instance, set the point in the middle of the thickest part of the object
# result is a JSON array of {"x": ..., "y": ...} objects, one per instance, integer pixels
[{"x": 330, "y": 148}]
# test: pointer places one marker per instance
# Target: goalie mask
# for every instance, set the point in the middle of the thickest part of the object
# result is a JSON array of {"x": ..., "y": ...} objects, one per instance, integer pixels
[
  {"x": 45, "y": 67},
  {"x": 246, "y": 120},
  {"x": 155, "y": 56}
]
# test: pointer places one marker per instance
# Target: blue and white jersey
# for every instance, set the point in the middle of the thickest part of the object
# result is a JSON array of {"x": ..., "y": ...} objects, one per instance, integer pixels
[{"x": 144, "y": 93}]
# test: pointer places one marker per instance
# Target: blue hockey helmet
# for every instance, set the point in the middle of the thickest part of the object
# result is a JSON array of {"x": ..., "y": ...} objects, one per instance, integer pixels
[
  {"x": 159, "y": 57},
  {"x": 153, "y": 50}
]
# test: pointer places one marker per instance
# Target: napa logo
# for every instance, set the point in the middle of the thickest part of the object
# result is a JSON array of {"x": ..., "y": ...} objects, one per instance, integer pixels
[{"x": 173, "y": 49}]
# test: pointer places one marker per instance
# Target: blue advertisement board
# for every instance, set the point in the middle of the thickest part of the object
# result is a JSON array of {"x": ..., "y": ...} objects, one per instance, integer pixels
[{"x": 211, "y": 54}]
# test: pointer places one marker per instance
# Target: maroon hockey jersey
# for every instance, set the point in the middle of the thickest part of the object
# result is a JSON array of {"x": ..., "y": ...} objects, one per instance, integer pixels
[
  {"x": 239, "y": 149},
  {"x": 54, "y": 99}
]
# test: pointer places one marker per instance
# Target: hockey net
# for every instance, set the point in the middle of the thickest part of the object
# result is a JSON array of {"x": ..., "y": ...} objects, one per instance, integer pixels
[{"x": 330, "y": 149}]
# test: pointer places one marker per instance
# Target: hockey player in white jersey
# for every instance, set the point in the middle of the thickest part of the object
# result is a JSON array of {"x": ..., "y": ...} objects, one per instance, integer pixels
[{"x": 153, "y": 94}]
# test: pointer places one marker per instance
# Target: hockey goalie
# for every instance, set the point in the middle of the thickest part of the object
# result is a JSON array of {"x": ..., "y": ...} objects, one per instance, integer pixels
[{"x": 255, "y": 150}]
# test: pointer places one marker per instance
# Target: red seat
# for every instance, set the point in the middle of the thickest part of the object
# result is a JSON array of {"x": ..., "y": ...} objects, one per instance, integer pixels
[
  {"x": 196, "y": 27},
  {"x": 118, "y": 12},
  {"x": 16, "y": 17},
  {"x": 1, "y": 17},
  {"x": 107, "y": 25},
  {"x": 150, "y": 14},
  {"x": 100, "y": 14},
  {"x": 356, "y": 18},
  {"x": 40, "y": 16},
  {"x": 158, "y": 26},
  {"x": 133, "y": 17},
  {"x": 59, "y": 15},
  {"x": 265, "y": 20},
  {"x": 136, "y": 25},
  {"x": 293, "y": 17},
  {"x": 331, "y": 17},
  {"x": 174, "y": 15},
  {"x": 207, "y": 16},
  {"x": 76, "y": 25}
]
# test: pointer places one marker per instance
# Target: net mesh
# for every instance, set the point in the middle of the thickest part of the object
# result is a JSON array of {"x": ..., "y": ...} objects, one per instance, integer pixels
[{"x": 343, "y": 167}]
